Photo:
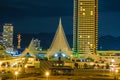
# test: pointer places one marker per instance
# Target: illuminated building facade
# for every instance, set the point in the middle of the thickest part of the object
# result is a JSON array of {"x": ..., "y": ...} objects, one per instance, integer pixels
[
  {"x": 8, "y": 35},
  {"x": 19, "y": 40},
  {"x": 85, "y": 31},
  {"x": 37, "y": 44}
]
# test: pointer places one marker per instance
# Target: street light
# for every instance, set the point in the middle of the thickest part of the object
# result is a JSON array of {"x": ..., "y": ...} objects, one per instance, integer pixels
[
  {"x": 116, "y": 70},
  {"x": 112, "y": 61},
  {"x": 47, "y": 74},
  {"x": 16, "y": 73},
  {"x": 116, "y": 77},
  {"x": 71, "y": 57}
]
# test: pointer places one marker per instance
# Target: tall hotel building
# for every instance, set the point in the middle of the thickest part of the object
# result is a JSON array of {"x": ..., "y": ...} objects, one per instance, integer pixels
[
  {"x": 7, "y": 35},
  {"x": 85, "y": 31}
]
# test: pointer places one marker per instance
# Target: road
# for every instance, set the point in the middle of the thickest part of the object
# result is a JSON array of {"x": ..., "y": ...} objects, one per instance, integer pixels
[
  {"x": 67, "y": 78},
  {"x": 78, "y": 75}
]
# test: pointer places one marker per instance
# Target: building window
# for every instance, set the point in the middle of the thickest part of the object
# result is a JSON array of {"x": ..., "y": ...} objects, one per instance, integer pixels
[
  {"x": 80, "y": 36},
  {"x": 81, "y": 3},
  {"x": 83, "y": 13},
  {"x": 88, "y": 42},
  {"x": 88, "y": 36},
  {"x": 83, "y": 9},
  {"x": 91, "y": 12}
]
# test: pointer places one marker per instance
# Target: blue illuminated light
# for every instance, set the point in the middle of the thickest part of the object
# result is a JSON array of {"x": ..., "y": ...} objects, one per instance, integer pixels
[
  {"x": 56, "y": 55},
  {"x": 63, "y": 55}
]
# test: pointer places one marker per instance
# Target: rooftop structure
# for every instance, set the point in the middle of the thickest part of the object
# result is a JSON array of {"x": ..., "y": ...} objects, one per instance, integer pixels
[{"x": 59, "y": 42}]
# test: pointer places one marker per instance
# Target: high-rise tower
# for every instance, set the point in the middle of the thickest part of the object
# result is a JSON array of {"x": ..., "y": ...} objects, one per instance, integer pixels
[
  {"x": 19, "y": 40},
  {"x": 85, "y": 31},
  {"x": 8, "y": 35}
]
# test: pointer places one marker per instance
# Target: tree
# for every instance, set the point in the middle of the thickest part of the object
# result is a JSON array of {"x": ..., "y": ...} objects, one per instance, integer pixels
[
  {"x": 76, "y": 65},
  {"x": 46, "y": 58},
  {"x": 85, "y": 66}
]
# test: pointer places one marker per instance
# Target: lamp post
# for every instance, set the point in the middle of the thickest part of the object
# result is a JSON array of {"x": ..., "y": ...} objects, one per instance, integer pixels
[
  {"x": 115, "y": 76},
  {"x": 16, "y": 73},
  {"x": 47, "y": 75},
  {"x": 71, "y": 57},
  {"x": 112, "y": 61}
]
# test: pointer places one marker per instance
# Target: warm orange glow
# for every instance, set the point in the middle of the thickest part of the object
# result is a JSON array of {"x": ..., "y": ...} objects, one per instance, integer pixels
[
  {"x": 16, "y": 72},
  {"x": 47, "y": 74},
  {"x": 116, "y": 70}
]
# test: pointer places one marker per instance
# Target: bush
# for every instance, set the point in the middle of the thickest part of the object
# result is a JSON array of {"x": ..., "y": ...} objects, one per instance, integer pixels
[{"x": 46, "y": 58}]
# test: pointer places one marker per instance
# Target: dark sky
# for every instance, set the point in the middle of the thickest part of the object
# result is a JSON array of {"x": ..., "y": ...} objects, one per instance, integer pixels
[{"x": 36, "y": 16}]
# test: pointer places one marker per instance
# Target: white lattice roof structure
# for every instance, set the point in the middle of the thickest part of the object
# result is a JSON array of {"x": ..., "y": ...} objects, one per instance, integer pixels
[
  {"x": 59, "y": 42},
  {"x": 31, "y": 49}
]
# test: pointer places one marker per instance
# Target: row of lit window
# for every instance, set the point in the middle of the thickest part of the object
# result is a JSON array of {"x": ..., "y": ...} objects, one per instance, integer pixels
[
  {"x": 90, "y": 19},
  {"x": 85, "y": 32},
  {"x": 86, "y": 2},
  {"x": 86, "y": 25},
  {"x": 86, "y": 36},
  {"x": 87, "y": 18},
  {"x": 89, "y": 41},
  {"x": 85, "y": 8},
  {"x": 89, "y": 24},
  {"x": 87, "y": 29},
  {"x": 91, "y": 13},
  {"x": 86, "y": 22}
]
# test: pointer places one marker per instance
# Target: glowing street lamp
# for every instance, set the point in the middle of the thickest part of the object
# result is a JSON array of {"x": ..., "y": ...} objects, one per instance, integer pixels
[
  {"x": 116, "y": 72},
  {"x": 112, "y": 60},
  {"x": 16, "y": 73},
  {"x": 25, "y": 66},
  {"x": 71, "y": 57},
  {"x": 47, "y": 74}
]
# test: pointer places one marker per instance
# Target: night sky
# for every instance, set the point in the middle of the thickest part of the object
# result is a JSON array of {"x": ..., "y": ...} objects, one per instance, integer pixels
[{"x": 36, "y": 16}]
